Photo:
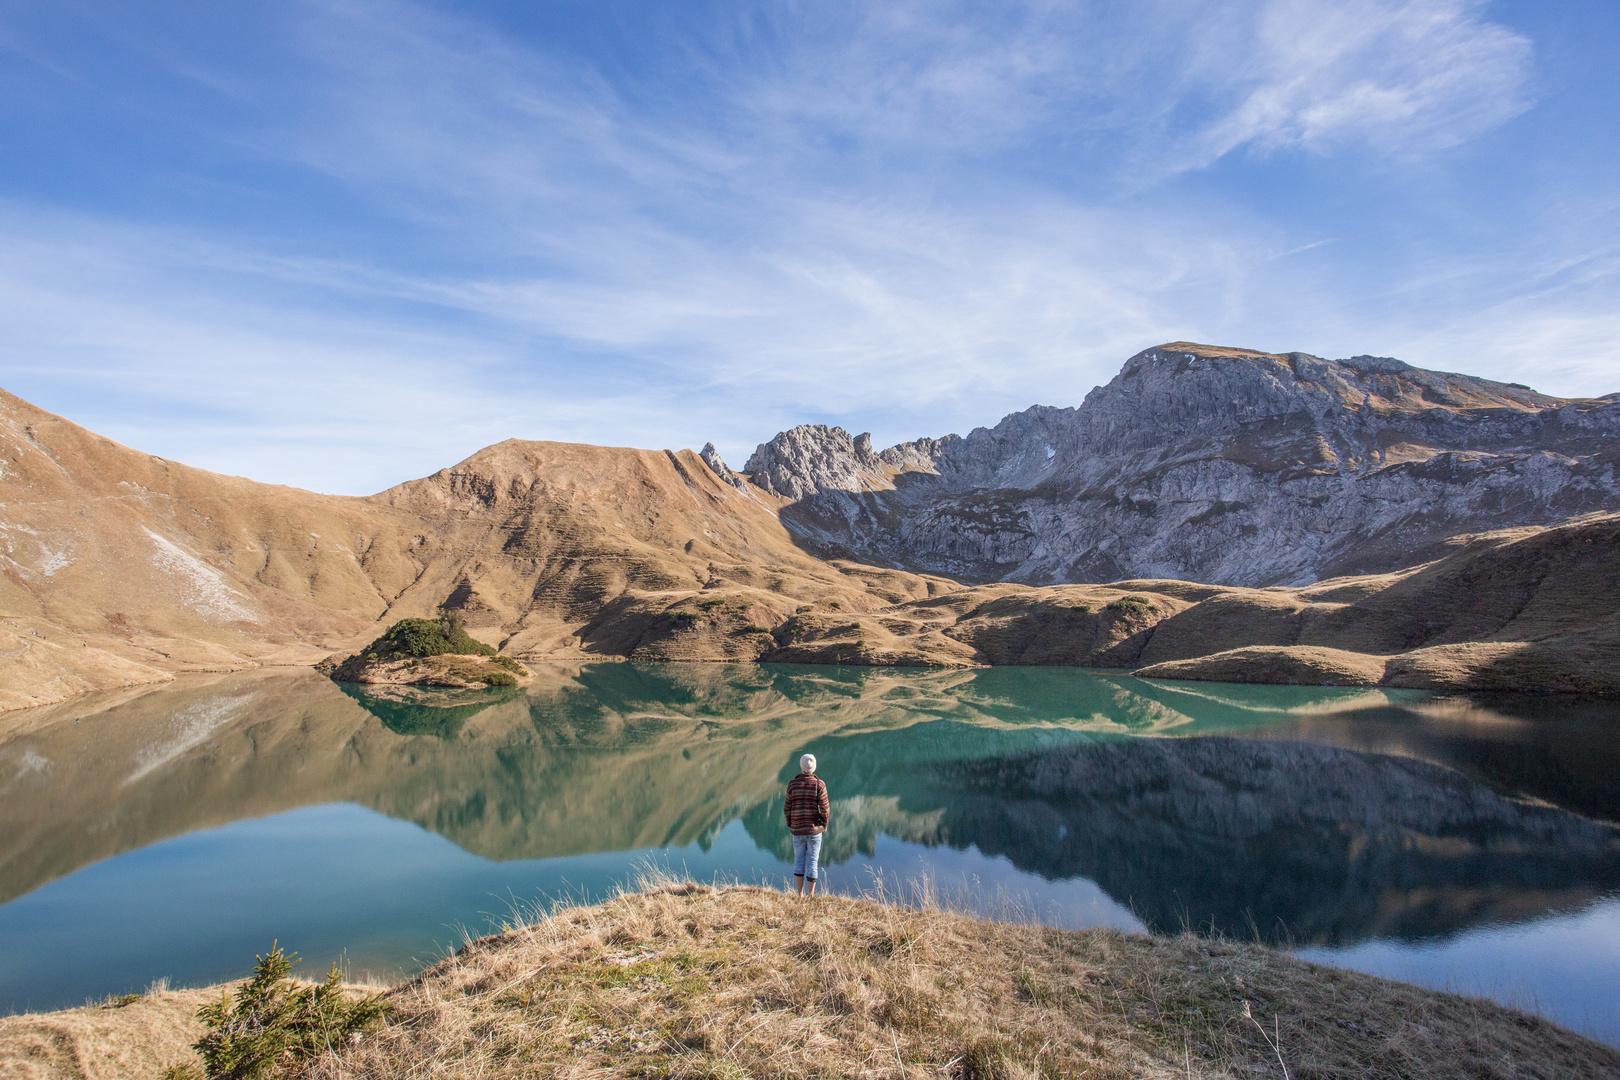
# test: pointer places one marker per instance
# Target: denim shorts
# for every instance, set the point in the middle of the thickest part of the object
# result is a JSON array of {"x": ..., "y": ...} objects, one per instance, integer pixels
[{"x": 806, "y": 850}]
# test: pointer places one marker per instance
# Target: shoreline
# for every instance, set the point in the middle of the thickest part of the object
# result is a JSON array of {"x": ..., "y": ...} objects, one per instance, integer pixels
[{"x": 1218, "y": 670}]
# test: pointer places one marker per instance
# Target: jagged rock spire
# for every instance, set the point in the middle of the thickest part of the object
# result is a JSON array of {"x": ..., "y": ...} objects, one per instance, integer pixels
[{"x": 711, "y": 457}]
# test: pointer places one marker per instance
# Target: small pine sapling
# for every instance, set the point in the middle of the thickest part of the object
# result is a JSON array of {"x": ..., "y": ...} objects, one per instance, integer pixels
[{"x": 273, "y": 1024}]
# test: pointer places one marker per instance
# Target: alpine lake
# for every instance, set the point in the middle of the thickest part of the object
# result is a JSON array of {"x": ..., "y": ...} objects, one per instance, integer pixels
[{"x": 1462, "y": 843}]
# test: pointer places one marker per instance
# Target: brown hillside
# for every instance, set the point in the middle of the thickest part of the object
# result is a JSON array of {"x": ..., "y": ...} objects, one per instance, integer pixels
[
  {"x": 122, "y": 568},
  {"x": 174, "y": 568},
  {"x": 1521, "y": 608},
  {"x": 689, "y": 980},
  {"x": 556, "y": 545},
  {"x": 134, "y": 1040}
]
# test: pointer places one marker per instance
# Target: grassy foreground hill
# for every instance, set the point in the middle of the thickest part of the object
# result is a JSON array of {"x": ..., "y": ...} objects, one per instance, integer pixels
[{"x": 685, "y": 980}]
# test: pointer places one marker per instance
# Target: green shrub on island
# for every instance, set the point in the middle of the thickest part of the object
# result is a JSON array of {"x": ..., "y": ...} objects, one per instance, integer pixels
[
  {"x": 273, "y": 1025},
  {"x": 410, "y": 638},
  {"x": 415, "y": 641}
]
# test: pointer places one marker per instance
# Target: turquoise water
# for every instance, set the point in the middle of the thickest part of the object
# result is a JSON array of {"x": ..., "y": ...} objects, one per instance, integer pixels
[{"x": 1460, "y": 843}]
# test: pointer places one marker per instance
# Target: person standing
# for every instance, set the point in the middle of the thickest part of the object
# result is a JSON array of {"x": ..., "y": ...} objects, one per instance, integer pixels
[{"x": 807, "y": 811}]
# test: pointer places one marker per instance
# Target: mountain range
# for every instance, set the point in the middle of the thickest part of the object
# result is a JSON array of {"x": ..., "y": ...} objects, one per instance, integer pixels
[
  {"x": 1210, "y": 513},
  {"x": 1224, "y": 466}
]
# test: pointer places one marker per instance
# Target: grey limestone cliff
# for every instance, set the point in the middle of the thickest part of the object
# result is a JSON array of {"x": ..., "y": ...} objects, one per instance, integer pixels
[
  {"x": 1221, "y": 465},
  {"x": 711, "y": 457},
  {"x": 814, "y": 458}
]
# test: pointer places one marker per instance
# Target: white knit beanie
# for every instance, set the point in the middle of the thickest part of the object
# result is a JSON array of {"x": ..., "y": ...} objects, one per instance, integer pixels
[{"x": 807, "y": 764}]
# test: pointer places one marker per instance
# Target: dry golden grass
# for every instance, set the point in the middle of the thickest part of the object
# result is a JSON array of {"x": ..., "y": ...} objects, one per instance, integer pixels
[
  {"x": 111, "y": 1041},
  {"x": 685, "y": 980},
  {"x": 135, "y": 1037}
]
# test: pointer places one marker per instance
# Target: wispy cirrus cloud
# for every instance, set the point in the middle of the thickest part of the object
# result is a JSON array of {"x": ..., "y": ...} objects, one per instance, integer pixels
[
  {"x": 907, "y": 217},
  {"x": 1406, "y": 76}
]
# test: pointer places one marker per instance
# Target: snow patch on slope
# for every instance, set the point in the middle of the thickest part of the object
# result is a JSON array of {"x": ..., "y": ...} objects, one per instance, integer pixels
[{"x": 203, "y": 588}]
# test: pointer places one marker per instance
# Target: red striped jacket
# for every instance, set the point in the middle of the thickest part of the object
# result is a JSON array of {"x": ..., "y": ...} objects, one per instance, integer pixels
[{"x": 806, "y": 805}]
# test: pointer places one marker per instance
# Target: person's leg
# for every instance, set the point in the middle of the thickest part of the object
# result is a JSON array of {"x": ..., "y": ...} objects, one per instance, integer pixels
[
  {"x": 800, "y": 851},
  {"x": 812, "y": 856}
]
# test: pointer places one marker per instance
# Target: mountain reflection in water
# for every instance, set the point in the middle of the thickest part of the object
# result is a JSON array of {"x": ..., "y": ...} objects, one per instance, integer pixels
[{"x": 1302, "y": 814}]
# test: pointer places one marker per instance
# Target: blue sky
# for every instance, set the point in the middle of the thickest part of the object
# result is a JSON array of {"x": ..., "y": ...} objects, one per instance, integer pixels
[{"x": 342, "y": 244}]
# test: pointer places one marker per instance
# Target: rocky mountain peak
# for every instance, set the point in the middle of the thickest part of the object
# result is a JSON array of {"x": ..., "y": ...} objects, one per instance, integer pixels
[
  {"x": 1243, "y": 385},
  {"x": 711, "y": 457},
  {"x": 1211, "y": 463},
  {"x": 813, "y": 458}
]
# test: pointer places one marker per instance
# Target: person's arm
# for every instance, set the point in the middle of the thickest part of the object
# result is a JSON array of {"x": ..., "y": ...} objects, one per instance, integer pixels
[{"x": 824, "y": 808}]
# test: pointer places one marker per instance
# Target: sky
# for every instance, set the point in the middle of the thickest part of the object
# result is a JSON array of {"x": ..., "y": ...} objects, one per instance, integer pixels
[{"x": 345, "y": 243}]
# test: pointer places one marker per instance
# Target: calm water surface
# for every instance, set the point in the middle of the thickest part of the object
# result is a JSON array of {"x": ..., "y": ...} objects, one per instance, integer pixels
[{"x": 1461, "y": 843}]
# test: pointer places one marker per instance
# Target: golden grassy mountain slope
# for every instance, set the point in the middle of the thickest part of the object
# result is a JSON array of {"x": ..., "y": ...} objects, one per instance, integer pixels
[
  {"x": 1519, "y": 608},
  {"x": 121, "y": 568}
]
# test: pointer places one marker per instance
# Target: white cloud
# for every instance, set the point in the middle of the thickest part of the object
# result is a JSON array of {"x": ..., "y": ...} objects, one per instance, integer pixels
[{"x": 1404, "y": 76}]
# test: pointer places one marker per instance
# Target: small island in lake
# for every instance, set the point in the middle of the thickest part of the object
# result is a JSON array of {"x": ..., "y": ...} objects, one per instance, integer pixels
[{"x": 427, "y": 652}]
